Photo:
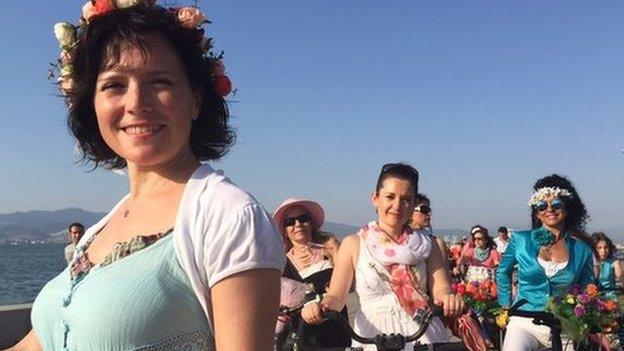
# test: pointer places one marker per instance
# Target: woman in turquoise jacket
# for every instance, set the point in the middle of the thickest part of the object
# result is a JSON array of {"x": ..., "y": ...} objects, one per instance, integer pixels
[{"x": 551, "y": 257}]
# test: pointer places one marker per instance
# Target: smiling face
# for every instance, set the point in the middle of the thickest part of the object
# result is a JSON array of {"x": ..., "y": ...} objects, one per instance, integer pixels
[
  {"x": 551, "y": 217},
  {"x": 603, "y": 250},
  {"x": 300, "y": 232},
  {"x": 394, "y": 203},
  {"x": 145, "y": 105}
]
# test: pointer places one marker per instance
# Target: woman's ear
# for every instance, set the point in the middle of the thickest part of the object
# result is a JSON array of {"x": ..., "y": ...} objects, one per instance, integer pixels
[{"x": 198, "y": 97}]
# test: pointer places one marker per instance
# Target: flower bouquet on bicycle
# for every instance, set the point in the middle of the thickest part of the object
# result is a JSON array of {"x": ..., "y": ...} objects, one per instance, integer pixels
[{"x": 587, "y": 316}]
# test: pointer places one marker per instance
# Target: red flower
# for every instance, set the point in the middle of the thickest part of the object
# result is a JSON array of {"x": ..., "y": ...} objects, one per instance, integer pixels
[
  {"x": 104, "y": 6},
  {"x": 461, "y": 289},
  {"x": 222, "y": 85}
]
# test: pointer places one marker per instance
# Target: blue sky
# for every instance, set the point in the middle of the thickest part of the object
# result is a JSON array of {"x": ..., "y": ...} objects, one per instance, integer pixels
[{"x": 483, "y": 97}]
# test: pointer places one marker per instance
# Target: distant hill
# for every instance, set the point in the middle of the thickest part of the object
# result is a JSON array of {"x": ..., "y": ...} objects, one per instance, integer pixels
[{"x": 43, "y": 226}]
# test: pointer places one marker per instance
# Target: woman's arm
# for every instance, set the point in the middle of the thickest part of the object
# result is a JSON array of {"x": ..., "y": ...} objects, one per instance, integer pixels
[
  {"x": 29, "y": 343},
  {"x": 340, "y": 284},
  {"x": 439, "y": 282},
  {"x": 504, "y": 271},
  {"x": 617, "y": 269},
  {"x": 244, "y": 310}
]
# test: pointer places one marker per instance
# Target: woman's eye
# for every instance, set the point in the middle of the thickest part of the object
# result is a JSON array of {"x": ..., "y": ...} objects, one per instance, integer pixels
[
  {"x": 111, "y": 85},
  {"x": 162, "y": 81}
]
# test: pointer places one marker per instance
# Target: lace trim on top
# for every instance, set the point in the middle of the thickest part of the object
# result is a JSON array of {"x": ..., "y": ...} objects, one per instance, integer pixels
[
  {"x": 551, "y": 268},
  {"x": 194, "y": 341},
  {"x": 81, "y": 265}
]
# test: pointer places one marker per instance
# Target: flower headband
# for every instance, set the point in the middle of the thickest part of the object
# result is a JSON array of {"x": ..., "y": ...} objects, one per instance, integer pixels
[
  {"x": 542, "y": 193},
  {"x": 190, "y": 17}
]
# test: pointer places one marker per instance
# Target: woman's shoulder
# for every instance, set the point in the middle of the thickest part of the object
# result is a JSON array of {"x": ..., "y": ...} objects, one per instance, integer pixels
[{"x": 214, "y": 191}]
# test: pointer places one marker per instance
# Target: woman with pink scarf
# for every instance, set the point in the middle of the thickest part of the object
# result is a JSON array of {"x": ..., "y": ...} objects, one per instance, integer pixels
[{"x": 397, "y": 270}]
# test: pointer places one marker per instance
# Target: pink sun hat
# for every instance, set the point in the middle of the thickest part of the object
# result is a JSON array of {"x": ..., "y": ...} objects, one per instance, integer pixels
[{"x": 313, "y": 208}]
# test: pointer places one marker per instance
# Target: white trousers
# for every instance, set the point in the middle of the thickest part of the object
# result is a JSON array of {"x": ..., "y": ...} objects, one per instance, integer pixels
[{"x": 523, "y": 335}]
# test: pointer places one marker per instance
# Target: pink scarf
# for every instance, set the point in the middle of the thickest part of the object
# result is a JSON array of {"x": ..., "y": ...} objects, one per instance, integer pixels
[
  {"x": 306, "y": 256},
  {"x": 400, "y": 259}
]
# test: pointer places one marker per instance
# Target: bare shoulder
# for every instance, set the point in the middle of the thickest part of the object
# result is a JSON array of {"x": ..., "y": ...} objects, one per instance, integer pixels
[{"x": 351, "y": 242}]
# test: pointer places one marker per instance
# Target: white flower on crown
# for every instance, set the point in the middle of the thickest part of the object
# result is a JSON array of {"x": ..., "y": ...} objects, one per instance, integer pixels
[
  {"x": 543, "y": 193},
  {"x": 65, "y": 33},
  {"x": 124, "y": 4}
]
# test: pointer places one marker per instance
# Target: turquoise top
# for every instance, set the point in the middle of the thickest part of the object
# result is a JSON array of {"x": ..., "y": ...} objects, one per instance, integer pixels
[
  {"x": 533, "y": 284},
  {"x": 606, "y": 280},
  {"x": 141, "y": 302}
]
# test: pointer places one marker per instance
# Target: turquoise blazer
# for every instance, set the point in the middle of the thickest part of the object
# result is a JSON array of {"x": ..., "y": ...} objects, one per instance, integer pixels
[{"x": 533, "y": 284}]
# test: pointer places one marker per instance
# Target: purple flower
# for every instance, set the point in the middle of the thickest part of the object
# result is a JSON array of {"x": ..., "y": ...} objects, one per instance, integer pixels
[
  {"x": 600, "y": 305},
  {"x": 579, "y": 310},
  {"x": 575, "y": 289},
  {"x": 584, "y": 298}
]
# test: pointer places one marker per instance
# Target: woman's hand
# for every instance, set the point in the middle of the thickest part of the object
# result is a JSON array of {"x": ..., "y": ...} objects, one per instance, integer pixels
[
  {"x": 452, "y": 304},
  {"x": 313, "y": 312}
]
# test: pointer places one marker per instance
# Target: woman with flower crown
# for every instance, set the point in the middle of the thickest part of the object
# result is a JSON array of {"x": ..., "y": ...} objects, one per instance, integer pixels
[
  {"x": 552, "y": 257},
  {"x": 395, "y": 268},
  {"x": 187, "y": 260}
]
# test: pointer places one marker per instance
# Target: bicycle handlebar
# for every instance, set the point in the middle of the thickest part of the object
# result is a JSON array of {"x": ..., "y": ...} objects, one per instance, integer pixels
[{"x": 388, "y": 341}]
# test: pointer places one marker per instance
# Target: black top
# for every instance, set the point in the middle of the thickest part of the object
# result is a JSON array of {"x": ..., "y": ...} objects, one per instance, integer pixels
[{"x": 327, "y": 334}]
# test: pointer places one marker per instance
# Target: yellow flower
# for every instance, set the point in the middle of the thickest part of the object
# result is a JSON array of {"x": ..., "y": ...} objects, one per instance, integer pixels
[
  {"x": 570, "y": 299},
  {"x": 502, "y": 319}
]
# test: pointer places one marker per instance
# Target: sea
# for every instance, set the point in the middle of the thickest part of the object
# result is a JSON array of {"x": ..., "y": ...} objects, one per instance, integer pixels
[{"x": 25, "y": 269}]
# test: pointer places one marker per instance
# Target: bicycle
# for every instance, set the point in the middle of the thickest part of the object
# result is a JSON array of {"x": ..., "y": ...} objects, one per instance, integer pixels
[{"x": 383, "y": 342}]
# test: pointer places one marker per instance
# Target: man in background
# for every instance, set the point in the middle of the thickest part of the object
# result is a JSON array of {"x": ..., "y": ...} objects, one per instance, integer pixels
[
  {"x": 76, "y": 230},
  {"x": 502, "y": 240}
]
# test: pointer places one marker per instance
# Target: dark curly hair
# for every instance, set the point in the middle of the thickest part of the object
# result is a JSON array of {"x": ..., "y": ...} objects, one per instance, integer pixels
[
  {"x": 576, "y": 214},
  {"x": 398, "y": 170},
  {"x": 103, "y": 39},
  {"x": 600, "y": 236}
]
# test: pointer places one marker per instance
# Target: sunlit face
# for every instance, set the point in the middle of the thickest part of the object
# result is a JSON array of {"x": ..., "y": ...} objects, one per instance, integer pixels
[
  {"x": 300, "y": 232},
  {"x": 603, "y": 249},
  {"x": 75, "y": 233},
  {"x": 419, "y": 219},
  {"x": 145, "y": 105},
  {"x": 394, "y": 204},
  {"x": 552, "y": 217},
  {"x": 479, "y": 240}
]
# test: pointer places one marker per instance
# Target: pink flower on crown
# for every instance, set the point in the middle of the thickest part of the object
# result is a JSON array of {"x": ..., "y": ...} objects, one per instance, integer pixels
[
  {"x": 218, "y": 69},
  {"x": 88, "y": 11},
  {"x": 191, "y": 17}
]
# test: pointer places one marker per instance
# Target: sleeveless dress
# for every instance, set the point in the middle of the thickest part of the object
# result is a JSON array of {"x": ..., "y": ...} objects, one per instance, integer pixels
[
  {"x": 607, "y": 274},
  {"x": 140, "y": 302},
  {"x": 380, "y": 311}
]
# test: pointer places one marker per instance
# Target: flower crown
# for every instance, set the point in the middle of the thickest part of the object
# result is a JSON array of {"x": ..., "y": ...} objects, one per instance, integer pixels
[
  {"x": 190, "y": 17},
  {"x": 542, "y": 193}
]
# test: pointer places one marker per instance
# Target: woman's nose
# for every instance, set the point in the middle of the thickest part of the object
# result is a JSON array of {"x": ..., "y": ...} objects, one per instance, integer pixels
[{"x": 138, "y": 100}]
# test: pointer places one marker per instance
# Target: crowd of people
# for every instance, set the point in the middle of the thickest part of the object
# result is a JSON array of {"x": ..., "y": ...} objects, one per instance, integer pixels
[{"x": 189, "y": 261}]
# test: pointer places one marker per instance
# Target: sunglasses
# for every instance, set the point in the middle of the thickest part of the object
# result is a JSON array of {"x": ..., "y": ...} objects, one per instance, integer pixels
[
  {"x": 478, "y": 238},
  {"x": 556, "y": 204},
  {"x": 424, "y": 209},
  {"x": 290, "y": 221}
]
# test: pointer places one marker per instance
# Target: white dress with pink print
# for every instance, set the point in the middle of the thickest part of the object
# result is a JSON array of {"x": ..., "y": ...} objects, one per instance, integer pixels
[{"x": 380, "y": 311}]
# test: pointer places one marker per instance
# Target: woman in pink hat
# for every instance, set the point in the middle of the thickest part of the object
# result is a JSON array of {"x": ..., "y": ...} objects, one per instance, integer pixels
[{"x": 310, "y": 257}]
